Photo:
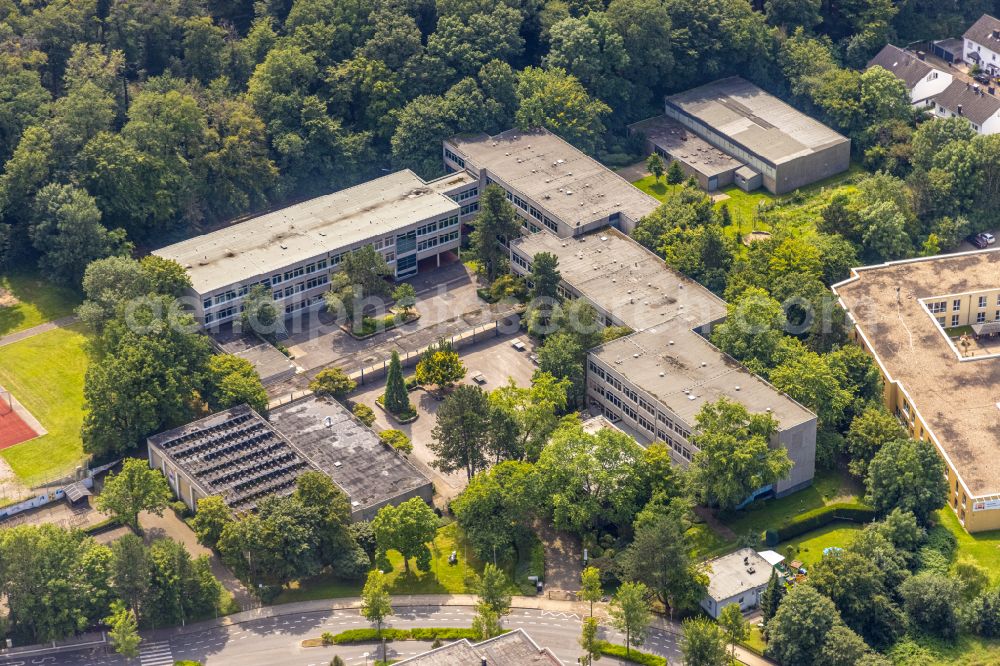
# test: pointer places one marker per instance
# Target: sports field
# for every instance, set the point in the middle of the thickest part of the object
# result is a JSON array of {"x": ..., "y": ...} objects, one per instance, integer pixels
[{"x": 45, "y": 373}]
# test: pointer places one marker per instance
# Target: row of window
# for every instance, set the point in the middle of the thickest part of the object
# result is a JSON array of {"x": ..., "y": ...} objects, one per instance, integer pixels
[
  {"x": 531, "y": 210},
  {"x": 634, "y": 397},
  {"x": 454, "y": 158},
  {"x": 655, "y": 433},
  {"x": 333, "y": 262},
  {"x": 520, "y": 261},
  {"x": 469, "y": 209},
  {"x": 466, "y": 195}
]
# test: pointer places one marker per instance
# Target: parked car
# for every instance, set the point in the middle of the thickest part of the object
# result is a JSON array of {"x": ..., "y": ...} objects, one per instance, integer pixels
[
  {"x": 983, "y": 78},
  {"x": 979, "y": 241},
  {"x": 988, "y": 237}
]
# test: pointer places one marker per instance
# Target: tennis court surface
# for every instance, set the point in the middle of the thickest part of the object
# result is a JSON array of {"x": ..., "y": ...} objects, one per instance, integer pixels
[{"x": 16, "y": 424}]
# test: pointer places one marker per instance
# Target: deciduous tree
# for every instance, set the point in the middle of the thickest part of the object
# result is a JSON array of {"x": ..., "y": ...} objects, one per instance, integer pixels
[
  {"x": 704, "y": 642},
  {"x": 630, "y": 613},
  {"x": 136, "y": 488},
  {"x": 376, "y": 604},
  {"x": 908, "y": 474},
  {"x": 210, "y": 519},
  {"x": 734, "y": 456},
  {"x": 333, "y": 382},
  {"x": 406, "y": 528}
]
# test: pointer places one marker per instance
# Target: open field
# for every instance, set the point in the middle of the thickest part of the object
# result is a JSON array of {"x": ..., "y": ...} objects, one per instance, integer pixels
[
  {"x": 983, "y": 548},
  {"x": 38, "y": 301},
  {"x": 45, "y": 372},
  {"x": 809, "y": 547},
  {"x": 829, "y": 487},
  {"x": 443, "y": 578}
]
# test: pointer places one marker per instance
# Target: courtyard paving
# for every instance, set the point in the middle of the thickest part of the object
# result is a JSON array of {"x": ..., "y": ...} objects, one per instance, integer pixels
[
  {"x": 497, "y": 360},
  {"x": 447, "y": 303}
]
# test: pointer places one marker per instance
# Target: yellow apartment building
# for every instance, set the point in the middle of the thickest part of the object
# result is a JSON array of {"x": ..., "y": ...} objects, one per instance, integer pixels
[{"x": 932, "y": 326}]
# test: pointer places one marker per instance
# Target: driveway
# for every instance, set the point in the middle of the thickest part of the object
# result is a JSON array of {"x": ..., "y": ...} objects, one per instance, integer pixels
[
  {"x": 497, "y": 360},
  {"x": 447, "y": 307}
]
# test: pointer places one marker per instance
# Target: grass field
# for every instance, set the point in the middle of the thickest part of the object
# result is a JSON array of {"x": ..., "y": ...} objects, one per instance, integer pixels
[
  {"x": 39, "y": 302},
  {"x": 443, "y": 578},
  {"x": 983, "y": 548},
  {"x": 46, "y": 372},
  {"x": 809, "y": 547},
  {"x": 762, "y": 211},
  {"x": 828, "y": 487}
]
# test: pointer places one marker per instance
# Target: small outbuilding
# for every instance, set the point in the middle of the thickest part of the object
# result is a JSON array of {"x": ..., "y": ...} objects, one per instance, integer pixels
[{"x": 736, "y": 578}]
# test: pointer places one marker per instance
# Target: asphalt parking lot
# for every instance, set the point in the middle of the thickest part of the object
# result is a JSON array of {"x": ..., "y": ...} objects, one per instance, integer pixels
[{"x": 496, "y": 360}]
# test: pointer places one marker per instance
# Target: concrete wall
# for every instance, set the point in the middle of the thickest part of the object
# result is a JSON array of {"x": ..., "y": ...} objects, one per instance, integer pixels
[
  {"x": 808, "y": 169},
  {"x": 800, "y": 443},
  {"x": 751, "y": 599},
  {"x": 183, "y": 487},
  {"x": 424, "y": 492}
]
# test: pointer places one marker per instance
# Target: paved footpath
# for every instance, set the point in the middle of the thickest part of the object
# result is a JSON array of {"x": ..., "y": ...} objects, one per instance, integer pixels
[
  {"x": 35, "y": 330},
  {"x": 273, "y": 634}
]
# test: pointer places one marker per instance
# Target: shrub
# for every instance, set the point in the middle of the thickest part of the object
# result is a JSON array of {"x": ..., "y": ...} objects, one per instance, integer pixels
[
  {"x": 333, "y": 382},
  {"x": 398, "y": 440},
  {"x": 634, "y": 656},
  {"x": 369, "y": 635},
  {"x": 415, "y": 634},
  {"x": 811, "y": 520},
  {"x": 364, "y": 413},
  {"x": 181, "y": 509},
  {"x": 328, "y": 638}
]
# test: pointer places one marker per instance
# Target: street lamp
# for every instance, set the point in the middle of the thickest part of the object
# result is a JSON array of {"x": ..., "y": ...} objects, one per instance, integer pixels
[{"x": 366, "y": 658}]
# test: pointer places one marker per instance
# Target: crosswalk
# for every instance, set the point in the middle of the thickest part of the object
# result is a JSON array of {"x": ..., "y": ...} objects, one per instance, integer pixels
[{"x": 156, "y": 654}]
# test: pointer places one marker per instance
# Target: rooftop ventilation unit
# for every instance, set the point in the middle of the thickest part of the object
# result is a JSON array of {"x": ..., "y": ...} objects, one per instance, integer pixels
[{"x": 328, "y": 421}]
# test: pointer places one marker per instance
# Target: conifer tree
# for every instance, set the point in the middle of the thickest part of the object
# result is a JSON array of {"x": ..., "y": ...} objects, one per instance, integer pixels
[{"x": 397, "y": 400}]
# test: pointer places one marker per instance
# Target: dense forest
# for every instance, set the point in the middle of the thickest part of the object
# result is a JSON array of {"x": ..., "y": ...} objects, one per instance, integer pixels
[{"x": 126, "y": 124}]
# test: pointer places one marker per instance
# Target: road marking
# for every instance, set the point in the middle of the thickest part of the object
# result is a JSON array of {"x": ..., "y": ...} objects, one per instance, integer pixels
[{"x": 156, "y": 654}]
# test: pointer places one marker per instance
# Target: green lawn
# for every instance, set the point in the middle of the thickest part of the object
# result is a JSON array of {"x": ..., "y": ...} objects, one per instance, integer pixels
[
  {"x": 828, "y": 487},
  {"x": 966, "y": 650},
  {"x": 658, "y": 189},
  {"x": 983, "y": 548},
  {"x": 443, "y": 578},
  {"x": 39, "y": 302},
  {"x": 762, "y": 211},
  {"x": 809, "y": 547},
  {"x": 46, "y": 372}
]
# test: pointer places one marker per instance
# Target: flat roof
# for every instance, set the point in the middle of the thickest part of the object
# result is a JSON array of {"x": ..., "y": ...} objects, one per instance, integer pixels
[
  {"x": 755, "y": 119},
  {"x": 621, "y": 277},
  {"x": 671, "y": 136},
  {"x": 957, "y": 400},
  {"x": 349, "y": 453},
  {"x": 684, "y": 371},
  {"x": 730, "y": 574},
  {"x": 515, "y": 648},
  {"x": 235, "y": 454},
  {"x": 267, "y": 243},
  {"x": 242, "y": 457},
  {"x": 625, "y": 279},
  {"x": 575, "y": 188}
]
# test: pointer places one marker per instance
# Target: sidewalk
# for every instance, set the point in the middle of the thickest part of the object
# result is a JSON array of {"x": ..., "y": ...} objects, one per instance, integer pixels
[{"x": 35, "y": 330}]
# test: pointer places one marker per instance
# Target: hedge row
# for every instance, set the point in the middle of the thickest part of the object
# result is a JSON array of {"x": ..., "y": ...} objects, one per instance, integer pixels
[
  {"x": 416, "y": 634},
  {"x": 811, "y": 520},
  {"x": 634, "y": 656}
]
